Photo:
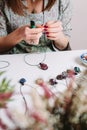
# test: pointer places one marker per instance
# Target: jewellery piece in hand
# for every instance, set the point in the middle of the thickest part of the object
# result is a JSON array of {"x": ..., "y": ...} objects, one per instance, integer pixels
[{"x": 32, "y": 24}]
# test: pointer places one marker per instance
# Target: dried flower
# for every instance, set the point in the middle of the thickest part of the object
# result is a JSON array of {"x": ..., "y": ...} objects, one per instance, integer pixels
[
  {"x": 6, "y": 91},
  {"x": 65, "y": 111}
]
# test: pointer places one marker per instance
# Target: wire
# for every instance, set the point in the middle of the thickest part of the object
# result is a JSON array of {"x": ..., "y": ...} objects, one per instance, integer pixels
[
  {"x": 25, "y": 56},
  {"x": 23, "y": 99},
  {"x": 5, "y": 66}
]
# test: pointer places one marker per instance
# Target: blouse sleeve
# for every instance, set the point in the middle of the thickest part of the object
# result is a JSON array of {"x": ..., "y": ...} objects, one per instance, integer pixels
[
  {"x": 3, "y": 29},
  {"x": 65, "y": 9}
]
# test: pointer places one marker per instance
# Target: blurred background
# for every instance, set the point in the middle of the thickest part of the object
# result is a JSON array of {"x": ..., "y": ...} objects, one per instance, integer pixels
[{"x": 79, "y": 25}]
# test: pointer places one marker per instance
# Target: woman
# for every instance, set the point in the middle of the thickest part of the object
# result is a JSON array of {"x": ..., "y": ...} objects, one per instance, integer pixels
[{"x": 52, "y": 20}]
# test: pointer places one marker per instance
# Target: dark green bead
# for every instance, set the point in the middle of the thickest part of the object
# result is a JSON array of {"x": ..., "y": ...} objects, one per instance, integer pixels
[
  {"x": 77, "y": 69},
  {"x": 32, "y": 24},
  {"x": 22, "y": 81}
]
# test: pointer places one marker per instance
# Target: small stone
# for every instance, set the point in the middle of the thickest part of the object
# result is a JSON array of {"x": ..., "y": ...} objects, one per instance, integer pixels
[
  {"x": 59, "y": 77},
  {"x": 64, "y": 74},
  {"x": 22, "y": 81},
  {"x": 52, "y": 82},
  {"x": 43, "y": 66},
  {"x": 77, "y": 69}
]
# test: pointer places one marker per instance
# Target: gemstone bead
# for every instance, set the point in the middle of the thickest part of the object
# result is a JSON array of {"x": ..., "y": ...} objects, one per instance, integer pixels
[
  {"x": 43, "y": 66},
  {"x": 52, "y": 82},
  {"x": 59, "y": 77},
  {"x": 77, "y": 69},
  {"x": 64, "y": 74},
  {"x": 22, "y": 81},
  {"x": 32, "y": 24}
]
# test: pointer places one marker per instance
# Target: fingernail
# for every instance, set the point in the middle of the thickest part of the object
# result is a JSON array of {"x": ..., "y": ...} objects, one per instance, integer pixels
[
  {"x": 47, "y": 32},
  {"x": 45, "y": 26}
]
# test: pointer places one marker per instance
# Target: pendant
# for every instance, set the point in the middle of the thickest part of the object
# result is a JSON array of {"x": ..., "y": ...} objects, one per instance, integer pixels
[{"x": 43, "y": 66}]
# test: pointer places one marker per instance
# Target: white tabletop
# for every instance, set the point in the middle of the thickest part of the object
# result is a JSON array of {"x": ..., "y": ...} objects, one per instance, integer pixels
[{"x": 57, "y": 63}]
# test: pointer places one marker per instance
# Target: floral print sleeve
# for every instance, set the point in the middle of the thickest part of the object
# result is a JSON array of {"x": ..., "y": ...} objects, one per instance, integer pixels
[
  {"x": 65, "y": 16},
  {"x": 9, "y": 21},
  {"x": 3, "y": 29}
]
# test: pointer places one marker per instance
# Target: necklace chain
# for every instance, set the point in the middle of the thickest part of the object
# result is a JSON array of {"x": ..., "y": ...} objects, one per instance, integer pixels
[
  {"x": 27, "y": 62},
  {"x": 6, "y": 64}
]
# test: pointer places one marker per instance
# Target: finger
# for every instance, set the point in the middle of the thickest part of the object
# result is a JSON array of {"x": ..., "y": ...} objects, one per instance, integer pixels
[
  {"x": 50, "y": 22},
  {"x": 40, "y": 26},
  {"x": 37, "y": 26},
  {"x": 54, "y": 30},
  {"x": 54, "y": 24},
  {"x": 35, "y": 36},
  {"x": 36, "y": 30},
  {"x": 53, "y": 36}
]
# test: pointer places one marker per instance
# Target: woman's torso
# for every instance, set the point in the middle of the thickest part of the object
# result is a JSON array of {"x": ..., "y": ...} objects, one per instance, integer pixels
[
  {"x": 14, "y": 21},
  {"x": 9, "y": 21}
]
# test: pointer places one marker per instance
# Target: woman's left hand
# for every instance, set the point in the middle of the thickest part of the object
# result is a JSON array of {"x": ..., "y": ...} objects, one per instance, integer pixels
[{"x": 54, "y": 31}]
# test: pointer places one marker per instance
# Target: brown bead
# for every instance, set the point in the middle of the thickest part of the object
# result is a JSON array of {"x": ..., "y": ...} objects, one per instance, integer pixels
[{"x": 43, "y": 66}]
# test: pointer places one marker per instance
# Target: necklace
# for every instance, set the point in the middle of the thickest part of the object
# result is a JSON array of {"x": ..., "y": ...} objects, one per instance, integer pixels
[
  {"x": 4, "y": 64},
  {"x": 36, "y": 60}
]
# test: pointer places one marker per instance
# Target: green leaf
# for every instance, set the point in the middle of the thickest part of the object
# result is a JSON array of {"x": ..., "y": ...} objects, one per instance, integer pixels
[{"x": 5, "y": 87}]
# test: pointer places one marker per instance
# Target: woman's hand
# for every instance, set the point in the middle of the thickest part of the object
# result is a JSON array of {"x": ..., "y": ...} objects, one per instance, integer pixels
[
  {"x": 31, "y": 35},
  {"x": 54, "y": 31}
]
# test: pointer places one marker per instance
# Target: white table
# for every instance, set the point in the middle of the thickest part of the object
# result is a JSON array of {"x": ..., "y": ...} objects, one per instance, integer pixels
[{"x": 57, "y": 62}]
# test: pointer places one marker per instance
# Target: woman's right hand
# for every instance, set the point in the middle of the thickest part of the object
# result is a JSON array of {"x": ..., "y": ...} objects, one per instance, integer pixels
[{"x": 31, "y": 35}]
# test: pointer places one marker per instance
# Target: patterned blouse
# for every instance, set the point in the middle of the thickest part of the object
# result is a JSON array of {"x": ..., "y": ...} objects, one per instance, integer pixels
[{"x": 9, "y": 21}]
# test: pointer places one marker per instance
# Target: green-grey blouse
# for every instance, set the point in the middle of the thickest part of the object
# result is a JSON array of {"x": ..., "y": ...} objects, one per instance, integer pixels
[{"x": 9, "y": 21}]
